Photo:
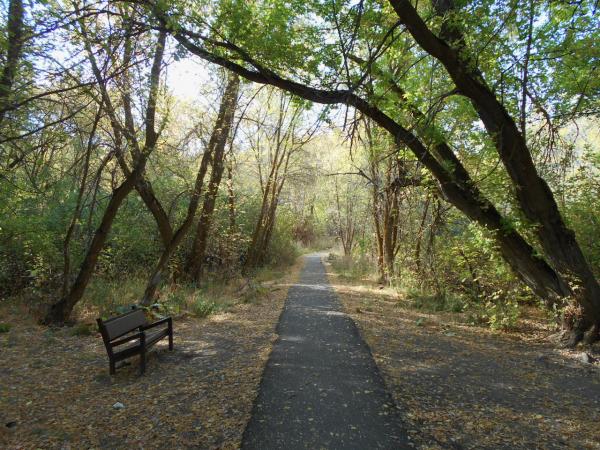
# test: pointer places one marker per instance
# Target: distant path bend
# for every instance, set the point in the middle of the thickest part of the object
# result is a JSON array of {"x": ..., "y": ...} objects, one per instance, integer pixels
[{"x": 321, "y": 388}]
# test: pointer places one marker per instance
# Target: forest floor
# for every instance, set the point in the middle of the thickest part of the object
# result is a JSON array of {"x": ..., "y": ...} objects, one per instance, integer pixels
[
  {"x": 460, "y": 386},
  {"x": 56, "y": 391}
]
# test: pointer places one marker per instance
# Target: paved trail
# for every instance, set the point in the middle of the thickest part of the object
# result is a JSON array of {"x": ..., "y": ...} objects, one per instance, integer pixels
[{"x": 321, "y": 388}]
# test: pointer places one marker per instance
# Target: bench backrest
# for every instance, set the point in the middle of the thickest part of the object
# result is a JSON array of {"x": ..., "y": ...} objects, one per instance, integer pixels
[{"x": 123, "y": 324}]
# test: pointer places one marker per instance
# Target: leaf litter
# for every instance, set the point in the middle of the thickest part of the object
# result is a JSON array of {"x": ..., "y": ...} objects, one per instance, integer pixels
[
  {"x": 460, "y": 386},
  {"x": 56, "y": 392}
]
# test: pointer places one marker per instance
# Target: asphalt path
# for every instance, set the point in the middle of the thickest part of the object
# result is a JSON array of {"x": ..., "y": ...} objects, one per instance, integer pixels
[{"x": 321, "y": 388}]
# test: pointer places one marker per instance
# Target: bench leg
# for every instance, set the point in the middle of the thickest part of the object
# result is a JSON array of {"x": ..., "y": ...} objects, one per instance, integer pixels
[
  {"x": 142, "y": 362},
  {"x": 111, "y": 366},
  {"x": 171, "y": 341}
]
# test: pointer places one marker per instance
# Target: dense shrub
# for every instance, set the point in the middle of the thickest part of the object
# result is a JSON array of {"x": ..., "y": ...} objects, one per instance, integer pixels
[{"x": 203, "y": 307}]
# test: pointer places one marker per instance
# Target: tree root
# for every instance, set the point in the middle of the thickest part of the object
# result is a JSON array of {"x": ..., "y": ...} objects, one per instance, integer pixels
[
  {"x": 54, "y": 315},
  {"x": 570, "y": 338}
]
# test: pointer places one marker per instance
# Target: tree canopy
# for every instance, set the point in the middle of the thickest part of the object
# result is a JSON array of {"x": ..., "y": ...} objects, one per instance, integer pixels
[{"x": 384, "y": 125}]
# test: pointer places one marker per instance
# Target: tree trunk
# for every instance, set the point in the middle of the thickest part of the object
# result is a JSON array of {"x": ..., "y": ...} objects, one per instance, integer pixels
[
  {"x": 215, "y": 148},
  {"x": 196, "y": 256},
  {"x": 204, "y": 224},
  {"x": 390, "y": 221},
  {"x": 14, "y": 31},
  {"x": 532, "y": 270},
  {"x": 533, "y": 193},
  {"x": 60, "y": 311},
  {"x": 157, "y": 273},
  {"x": 388, "y": 251},
  {"x": 143, "y": 186},
  {"x": 146, "y": 192},
  {"x": 78, "y": 206},
  {"x": 376, "y": 203},
  {"x": 264, "y": 227},
  {"x": 420, "y": 234},
  {"x": 378, "y": 235},
  {"x": 345, "y": 225},
  {"x": 253, "y": 257},
  {"x": 270, "y": 222},
  {"x": 231, "y": 199},
  {"x": 274, "y": 183}
]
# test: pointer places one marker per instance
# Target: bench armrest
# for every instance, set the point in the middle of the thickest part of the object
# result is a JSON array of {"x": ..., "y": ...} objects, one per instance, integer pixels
[
  {"x": 127, "y": 339},
  {"x": 168, "y": 320}
]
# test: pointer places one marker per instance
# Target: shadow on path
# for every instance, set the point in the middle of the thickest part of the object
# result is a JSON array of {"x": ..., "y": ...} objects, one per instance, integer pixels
[{"x": 321, "y": 387}]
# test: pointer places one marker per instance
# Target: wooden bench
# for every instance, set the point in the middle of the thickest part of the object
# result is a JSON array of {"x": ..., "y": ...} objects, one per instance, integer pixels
[{"x": 132, "y": 329}]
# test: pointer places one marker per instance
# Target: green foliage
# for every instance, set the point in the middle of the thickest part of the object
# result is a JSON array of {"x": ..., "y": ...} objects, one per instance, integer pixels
[
  {"x": 445, "y": 262},
  {"x": 283, "y": 249},
  {"x": 495, "y": 311},
  {"x": 497, "y": 315},
  {"x": 82, "y": 329},
  {"x": 5, "y": 327},
  {"x": 436, "y": 302},
  {"x": 203, "y": 307},
  {"x": 30, "y": 230},
  {"x": 352, "y": 268},
  {"x": 583, "y": 193},
  {"x": 368, "y": 306},
  {"x": 116, "y": 296},
  {"x": 503, "y": 316}
]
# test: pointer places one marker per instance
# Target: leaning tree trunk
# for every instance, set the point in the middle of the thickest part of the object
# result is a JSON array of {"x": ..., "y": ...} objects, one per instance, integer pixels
[
  {"x": 532, "y": 270},
  {"x": 534, "y": 196},
  {"x": 204, "y": 224},
  {"x": 169, "y": 249},
  {"x": 60, "y": 311},
  {"x": 78, "y": 206},
  {"x": 143, "y": 186}
]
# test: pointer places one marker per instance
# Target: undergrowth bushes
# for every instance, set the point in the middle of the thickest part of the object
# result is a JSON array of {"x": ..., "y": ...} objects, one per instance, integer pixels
[
  {"x": 107, "y": 297},
  {"x": 499, "y": 310},
  {"x": 495, "y": 312},
  {"x": 283, "y": 249},
  {"x": 351, "y": 268},
  {"x": 203, "y": 307}
]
